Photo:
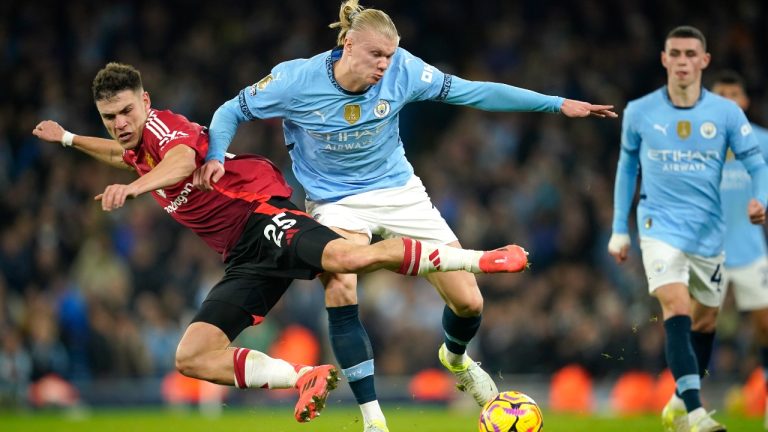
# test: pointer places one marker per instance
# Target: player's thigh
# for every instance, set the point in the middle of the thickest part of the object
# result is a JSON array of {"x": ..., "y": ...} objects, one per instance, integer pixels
[
  {"x": 201, "y": 337},
  {"x": 664, "y": 264},
  {"x": 243, "y": 298},
  {"x": 759, "y": 318},
  {"x": 707, "y": 283},
  {"x": 674, "y": 299},
  {"x": 750, "y": 285}
]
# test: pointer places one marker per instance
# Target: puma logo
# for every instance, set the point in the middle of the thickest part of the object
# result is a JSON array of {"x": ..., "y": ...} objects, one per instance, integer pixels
[{"x": 660, "y": 128}]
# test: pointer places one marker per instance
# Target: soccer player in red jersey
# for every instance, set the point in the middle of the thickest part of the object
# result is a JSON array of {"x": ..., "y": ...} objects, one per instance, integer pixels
[{"x": 264, "y": 239}]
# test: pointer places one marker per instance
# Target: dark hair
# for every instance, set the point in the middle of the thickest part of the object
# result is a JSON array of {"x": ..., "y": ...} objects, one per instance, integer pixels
[
  {"x": 114, "y": 78},
  {"x": 729, "y": 77},
  {"x": 686, "y": 31}
]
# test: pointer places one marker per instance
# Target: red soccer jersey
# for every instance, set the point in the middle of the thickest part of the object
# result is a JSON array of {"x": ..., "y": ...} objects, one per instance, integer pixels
[{"x": 219, "y": 216}]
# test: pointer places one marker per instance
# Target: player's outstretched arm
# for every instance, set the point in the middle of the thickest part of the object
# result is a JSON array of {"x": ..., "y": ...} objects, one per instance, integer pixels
[
  {"x": 105, "y": 150},
  {"x": 574, "y": 108},
  {"x": 491, "y": 96}
]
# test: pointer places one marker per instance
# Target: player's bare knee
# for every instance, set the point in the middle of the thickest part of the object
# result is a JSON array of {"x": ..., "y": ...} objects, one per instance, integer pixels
[
  {"x": 706, "y": 326},
  {"x": 675, "y": 306},
  {"x": 340, "y": 289},
  {"x": 705, "y": 323},
  {"x": 185, "y": 363},
  {"x": 469, "y": 307}
]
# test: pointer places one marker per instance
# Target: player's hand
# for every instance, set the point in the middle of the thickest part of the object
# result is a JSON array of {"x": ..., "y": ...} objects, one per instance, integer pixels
[
  {"x": 756, "y": 212},
  {"x": 48, "y": 130},
  {"x": 574, "y": 108},
  {"x": 114, "y": 196},
  {"x": 618, "y": 247},
  {"x": 204, "y": 177}
]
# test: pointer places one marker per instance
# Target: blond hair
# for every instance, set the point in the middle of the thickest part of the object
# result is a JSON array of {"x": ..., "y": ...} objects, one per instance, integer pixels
[{"x": 352, "y": 16}]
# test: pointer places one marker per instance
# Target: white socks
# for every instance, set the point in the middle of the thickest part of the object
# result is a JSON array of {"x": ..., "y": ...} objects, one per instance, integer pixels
[
  {"x": 254, "y": 369},
  {"x": 696, "y": 414},
  {"x": 447, "y": 258},
  {"x": 421, "y": 258},
  {"x": 454, "y": 359},
  {"x": 371, "y": 411}
]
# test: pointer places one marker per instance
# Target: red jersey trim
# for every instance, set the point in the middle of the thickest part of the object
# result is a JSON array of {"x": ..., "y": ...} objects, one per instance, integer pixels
[{"x": 243, "y": 195}]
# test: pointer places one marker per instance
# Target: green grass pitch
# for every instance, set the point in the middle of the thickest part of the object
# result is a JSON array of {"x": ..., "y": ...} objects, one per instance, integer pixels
[{"x": 401, "y": 418}]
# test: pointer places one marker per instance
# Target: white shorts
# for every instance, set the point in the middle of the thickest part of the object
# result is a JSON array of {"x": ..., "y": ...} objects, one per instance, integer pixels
[
  {"x": 750, "y": 284},
  {"x": 405, "y": 211},
  {"x": 665, "y": 264}
]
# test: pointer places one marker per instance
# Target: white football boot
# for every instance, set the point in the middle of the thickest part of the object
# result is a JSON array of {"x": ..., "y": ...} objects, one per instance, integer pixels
[{"x": 471, "y": 377}]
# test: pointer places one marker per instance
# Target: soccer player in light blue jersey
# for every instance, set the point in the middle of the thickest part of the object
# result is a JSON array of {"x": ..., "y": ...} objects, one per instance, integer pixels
[
  {"x": 340, "y": 113},
  {"x": 746, "y": 254},
  {"x": 679, "y": 136}
]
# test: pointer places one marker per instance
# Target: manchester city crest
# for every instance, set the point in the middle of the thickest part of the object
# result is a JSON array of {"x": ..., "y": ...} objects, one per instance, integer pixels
[
  {"x": 746, "y": 129},
  {"x": 659, "y": 266},
  {"x": 381, "y": 109},
  {"x": 708, "y": 130}
]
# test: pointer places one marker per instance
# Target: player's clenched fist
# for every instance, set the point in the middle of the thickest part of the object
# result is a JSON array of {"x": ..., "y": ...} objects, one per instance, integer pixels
[
  {"x": 756, "y": 212},
  {"x": 208, "y": 174},
  {"x": 49, "y": 130},
  {"x": 114, "y": 196},
  {"x": 618, "y": 246}
]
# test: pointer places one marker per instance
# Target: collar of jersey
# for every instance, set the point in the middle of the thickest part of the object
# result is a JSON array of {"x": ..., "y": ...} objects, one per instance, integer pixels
[
  {"x": 665, "y": 95},
  {"x": 332, "y": 58}
]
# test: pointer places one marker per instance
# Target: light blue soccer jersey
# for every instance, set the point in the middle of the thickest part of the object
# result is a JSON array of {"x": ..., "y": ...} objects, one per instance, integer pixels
[
  {"x": 345, "y": 143},
  {"x": 744, "y": 241},
  {"x": 681, "y": 152}
]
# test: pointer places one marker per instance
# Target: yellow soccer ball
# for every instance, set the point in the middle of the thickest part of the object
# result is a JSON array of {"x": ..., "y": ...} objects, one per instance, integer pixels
[{"x": 511, "y": 411}]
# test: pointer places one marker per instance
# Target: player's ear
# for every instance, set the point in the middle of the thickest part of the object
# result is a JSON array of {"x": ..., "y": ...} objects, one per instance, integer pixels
[
  {"x": 705, "y": 60},
  {"x": 347, "y": 43},
  {"x": 146, "y": 101}
]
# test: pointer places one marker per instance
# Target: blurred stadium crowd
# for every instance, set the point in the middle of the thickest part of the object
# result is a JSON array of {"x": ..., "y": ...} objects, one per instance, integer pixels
[{"x": 90, "y": 295}]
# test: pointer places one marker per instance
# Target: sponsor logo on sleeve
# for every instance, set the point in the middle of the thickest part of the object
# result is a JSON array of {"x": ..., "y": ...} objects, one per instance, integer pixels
[
  {"x": 746, "y": 129},
  {"x": 261, "y": 85}
]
